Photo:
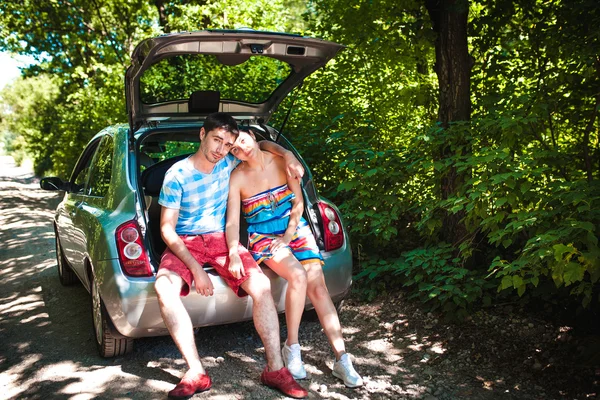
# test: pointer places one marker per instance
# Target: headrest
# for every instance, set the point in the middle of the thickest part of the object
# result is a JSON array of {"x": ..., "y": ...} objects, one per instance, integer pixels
[
  {"x": 153, "y": 176},
  {"x": 204, "y": 102}
]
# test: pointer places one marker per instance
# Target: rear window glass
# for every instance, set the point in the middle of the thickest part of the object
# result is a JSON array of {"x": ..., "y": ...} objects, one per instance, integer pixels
[
  {"x": 153, "y": 151},
  {"x": 176, "y": 78}
]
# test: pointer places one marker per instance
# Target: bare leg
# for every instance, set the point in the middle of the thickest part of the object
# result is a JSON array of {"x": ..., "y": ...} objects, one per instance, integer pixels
[
  {"x": 319, "y": 296},
  {"x": 287, "y": 266},
  {"x": 168, "y": 286},
  {"x": 265, "y": 318}
]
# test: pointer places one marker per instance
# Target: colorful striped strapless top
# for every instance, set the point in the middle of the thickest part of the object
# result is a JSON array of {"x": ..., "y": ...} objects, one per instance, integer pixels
[{"x": 269, "y": 211}]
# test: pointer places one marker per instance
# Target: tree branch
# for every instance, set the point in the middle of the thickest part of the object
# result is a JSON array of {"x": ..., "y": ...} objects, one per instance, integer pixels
[{"x": 108, "y": 35}]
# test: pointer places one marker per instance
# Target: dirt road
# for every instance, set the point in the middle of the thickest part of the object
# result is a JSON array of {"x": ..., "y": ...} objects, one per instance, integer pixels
[{"x": 47, "y": 348}]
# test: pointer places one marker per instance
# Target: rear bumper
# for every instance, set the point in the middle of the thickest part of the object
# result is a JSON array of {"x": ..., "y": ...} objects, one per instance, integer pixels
[{"x": 133, "y": 306}]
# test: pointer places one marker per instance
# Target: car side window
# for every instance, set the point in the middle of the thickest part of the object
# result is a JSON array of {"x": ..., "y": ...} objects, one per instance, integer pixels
[
  {"x": 82, "y": 170},
  {"x": 102, "y": 168}
]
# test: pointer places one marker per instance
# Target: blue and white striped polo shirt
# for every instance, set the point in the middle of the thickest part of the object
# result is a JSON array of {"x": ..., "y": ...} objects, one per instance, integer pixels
[{"x": 200, "y": 198}]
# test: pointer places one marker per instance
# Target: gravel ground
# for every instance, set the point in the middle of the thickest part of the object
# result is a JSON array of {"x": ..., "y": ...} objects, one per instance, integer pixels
[{"x": 47, "y": 348}]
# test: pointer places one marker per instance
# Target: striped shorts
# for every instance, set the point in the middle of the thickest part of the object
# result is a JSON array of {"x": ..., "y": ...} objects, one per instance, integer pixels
[{"x": 303, "y": 246}]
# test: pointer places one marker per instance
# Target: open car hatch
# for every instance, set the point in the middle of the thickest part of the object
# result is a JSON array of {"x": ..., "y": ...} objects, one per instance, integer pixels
[{"x": 245, "y": 73}]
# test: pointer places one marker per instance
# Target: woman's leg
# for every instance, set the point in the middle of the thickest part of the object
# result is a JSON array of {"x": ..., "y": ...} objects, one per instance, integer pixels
[
  {"x": 319, "y": 296},
  {"x": 287, "y": 266}
]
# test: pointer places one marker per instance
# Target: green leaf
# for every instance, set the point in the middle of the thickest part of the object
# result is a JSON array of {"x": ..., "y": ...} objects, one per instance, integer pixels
[
  {"x": 506, "y": 282},
  {"x": 517, "y": 281},
  {"x": 588, "y": 226},
  {"x": 573, "y": 273},
  {"x": 346, "y": 185},
  {"x": 535, "y": 281},
  {"x": 559, "y": 250}
]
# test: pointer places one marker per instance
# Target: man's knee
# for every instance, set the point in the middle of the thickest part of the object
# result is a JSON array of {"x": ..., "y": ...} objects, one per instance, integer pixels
[
  {"x": 257, "y": 286},
  {"x": 167, "y": 284}
]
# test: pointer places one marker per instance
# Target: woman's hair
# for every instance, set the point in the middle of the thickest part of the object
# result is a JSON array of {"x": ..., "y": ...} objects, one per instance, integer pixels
[
  {"x": 248, "y": 131},
  {"x": 221, "y": 120}
]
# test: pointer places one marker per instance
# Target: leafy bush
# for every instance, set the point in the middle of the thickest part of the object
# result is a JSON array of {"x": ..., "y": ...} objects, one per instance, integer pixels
[{"x": 435, "y": 276}]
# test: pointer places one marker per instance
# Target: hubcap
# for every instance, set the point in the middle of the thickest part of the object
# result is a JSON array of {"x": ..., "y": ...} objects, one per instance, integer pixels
[{"x": 97, "y": 312}]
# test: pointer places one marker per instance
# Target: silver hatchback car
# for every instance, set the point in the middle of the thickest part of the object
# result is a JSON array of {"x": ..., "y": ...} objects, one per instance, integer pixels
[{"x": 107, "y": 225}]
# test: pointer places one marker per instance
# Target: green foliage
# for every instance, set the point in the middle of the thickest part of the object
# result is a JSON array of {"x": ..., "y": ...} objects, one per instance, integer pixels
[
  {"x": 85, "y": 47},
  {"x": 435, "y": 276},
  {"x": 353, "y": 119},
  {"x": 527, "y": 163},
  {"x": 559, "y": 241},
  {"x": 252, "y": 81},
  {"x": 30, "y": 119}
]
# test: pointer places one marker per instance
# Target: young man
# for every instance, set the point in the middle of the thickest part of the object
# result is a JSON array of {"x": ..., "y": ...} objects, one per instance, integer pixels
[{"x": 194, "y": 198}]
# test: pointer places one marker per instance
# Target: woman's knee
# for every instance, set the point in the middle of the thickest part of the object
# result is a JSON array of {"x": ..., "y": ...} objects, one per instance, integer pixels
[
  {"x": 298, "y": 278},
  {"x": 317, "y": 289}
]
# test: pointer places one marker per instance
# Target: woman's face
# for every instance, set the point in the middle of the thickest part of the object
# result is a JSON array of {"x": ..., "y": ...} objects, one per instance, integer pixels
[{"x": 244, "y": 147}]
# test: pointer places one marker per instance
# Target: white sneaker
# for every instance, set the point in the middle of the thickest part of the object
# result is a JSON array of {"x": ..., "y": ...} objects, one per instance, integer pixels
[
  {"x": 293, "y": 360},
  {"x": 344, "y": 370}
]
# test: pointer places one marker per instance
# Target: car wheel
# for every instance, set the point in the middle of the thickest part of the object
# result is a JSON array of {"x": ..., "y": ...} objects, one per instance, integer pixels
[
  {"x": 65, "y": 274},
  {"x": 108, "y": 344}
]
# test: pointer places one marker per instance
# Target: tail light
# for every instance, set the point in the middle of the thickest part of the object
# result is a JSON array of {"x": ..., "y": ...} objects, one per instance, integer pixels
[
  {"x": 332, "y": 226},
  {"x": 132, "y": 254}
]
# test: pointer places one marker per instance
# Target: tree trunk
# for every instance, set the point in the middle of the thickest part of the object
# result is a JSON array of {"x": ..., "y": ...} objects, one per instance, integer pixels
[
  {"x": 453, "y": 68},
  {"x": 162, "y": 16}
]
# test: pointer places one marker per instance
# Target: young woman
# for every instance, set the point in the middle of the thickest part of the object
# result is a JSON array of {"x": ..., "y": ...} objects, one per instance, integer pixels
[{"x": 272, "y": 205}]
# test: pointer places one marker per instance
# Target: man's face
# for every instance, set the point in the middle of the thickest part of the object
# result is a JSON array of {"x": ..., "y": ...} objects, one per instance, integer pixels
[{"x": 216, "y": 143}]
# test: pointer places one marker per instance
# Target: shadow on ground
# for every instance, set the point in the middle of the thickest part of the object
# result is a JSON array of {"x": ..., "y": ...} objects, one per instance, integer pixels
[{"x": 48, "y": 351}]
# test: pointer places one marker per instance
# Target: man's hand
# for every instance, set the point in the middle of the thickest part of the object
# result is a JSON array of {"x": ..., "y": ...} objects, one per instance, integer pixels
[
  {"x": 236, "y": 267},
  {"x": 202, "y": 281},
  {"x": 294, "y": 168}
]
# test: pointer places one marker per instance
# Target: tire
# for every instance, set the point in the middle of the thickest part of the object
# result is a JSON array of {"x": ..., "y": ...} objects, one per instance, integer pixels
[
  {"x": 108, "y": 344},
  {"x": 65, "y": 274}
]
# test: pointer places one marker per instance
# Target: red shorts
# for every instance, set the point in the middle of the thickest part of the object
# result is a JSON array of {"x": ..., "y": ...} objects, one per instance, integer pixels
[{"x": 210, "y": 248}]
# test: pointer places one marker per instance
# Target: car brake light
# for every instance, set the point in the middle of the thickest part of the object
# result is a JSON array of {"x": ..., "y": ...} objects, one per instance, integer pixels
[
  {"x": 334, "y": 235},
  {"x": 132, "y": 254}
]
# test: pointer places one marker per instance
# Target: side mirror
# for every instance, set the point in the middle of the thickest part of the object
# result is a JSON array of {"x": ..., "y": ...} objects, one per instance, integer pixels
[{"x": 54, "y": 183}]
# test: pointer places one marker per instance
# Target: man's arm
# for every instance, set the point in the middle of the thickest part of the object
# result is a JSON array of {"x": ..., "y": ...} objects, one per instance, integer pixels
[
  {"x": 294, "y": 218},
  {"x": 168, "y": 221},
  {"x": 293, "y": 167}
]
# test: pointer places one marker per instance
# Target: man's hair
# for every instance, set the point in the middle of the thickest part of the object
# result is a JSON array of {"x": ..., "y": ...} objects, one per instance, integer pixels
[{"x": 220, "y": 120}]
